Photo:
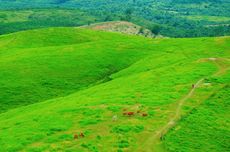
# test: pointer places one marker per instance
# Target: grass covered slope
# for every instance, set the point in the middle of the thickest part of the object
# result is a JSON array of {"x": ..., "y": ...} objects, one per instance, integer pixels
[
  {"x": 206, "y": 128},
  {"x": 157, "y": 75},
  {"x": 42, "y": 64}
]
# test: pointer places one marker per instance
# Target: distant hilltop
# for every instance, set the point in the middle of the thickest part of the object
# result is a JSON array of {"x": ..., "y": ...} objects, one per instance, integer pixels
[{"x": 122, "y": 27}]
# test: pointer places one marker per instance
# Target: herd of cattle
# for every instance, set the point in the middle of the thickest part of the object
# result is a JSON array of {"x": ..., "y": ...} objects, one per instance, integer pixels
[
  {"x": 130, "y": 113},
  {"x": 125, "y": 113},
  {"x": 77, "y": 136}
]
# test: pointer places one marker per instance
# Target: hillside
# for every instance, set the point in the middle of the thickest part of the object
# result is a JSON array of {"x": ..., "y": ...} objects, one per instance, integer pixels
[
  {"x": 59, "y": 61},
  {"x": 121, "y": 27},
  {"x": 92, "y": 78}
]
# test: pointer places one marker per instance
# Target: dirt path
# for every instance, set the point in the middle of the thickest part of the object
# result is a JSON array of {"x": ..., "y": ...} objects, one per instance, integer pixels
[
  {"x": 171, "y": 123},
  {"x": 151, "y": 144},
  {"x": 177, "y": 116}
]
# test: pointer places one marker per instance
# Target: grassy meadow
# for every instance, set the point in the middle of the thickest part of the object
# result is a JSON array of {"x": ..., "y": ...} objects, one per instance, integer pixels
[
  {"x": 209, "y": 18},
  {"x": 59, "y": 82},
  {"x": 25, "y": 19}
]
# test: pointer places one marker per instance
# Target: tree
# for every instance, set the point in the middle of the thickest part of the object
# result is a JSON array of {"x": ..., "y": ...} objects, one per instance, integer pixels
[
  {"x": 128, "y": 14},
  {"x": 155, "y": 29},
  {"x": 141, "y": 30},
  {"x": 108, "y": 18},
  {"x": 60, "y": 1}
]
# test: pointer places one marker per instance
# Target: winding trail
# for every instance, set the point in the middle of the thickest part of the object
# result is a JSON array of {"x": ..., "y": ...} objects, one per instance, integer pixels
[
  {"x": 171, "y": 123},
  {"x": 152, "y": 142},
  {"x": 177, "y": 116}
]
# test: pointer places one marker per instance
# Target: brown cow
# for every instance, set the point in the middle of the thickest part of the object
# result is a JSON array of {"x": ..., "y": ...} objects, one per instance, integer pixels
[
  {"x": 82, "y": 135},
  {"x": 144, "y": 114},
  {"x": 130, "y": 113}
]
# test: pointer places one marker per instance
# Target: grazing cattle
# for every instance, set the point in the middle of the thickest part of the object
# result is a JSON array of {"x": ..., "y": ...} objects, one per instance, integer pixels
[
  {"x": 130, "y": 113},
  {"x": 82, "y": 135},
  {"x": 193, "y": 85},
  {"x": 144, "y": 114},
  {"x": 75, "y": 136}
]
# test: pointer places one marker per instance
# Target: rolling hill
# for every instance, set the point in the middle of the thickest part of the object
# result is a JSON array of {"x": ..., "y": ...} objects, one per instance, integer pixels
[
  {"x": 59, "y": 61},
  {"x": 123, "y": 93}
]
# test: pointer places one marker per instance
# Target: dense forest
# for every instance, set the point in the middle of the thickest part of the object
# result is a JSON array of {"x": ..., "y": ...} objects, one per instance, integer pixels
[{"x": 177, "y": 18}]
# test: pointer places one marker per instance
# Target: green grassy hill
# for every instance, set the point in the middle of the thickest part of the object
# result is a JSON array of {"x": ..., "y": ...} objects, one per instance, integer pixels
[
  {"x": 41, "y": 64},
  {"x": 109, "y": 74}
]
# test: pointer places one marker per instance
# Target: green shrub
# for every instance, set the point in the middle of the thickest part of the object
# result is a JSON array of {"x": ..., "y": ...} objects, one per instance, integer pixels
[
  {"x": 123, "y": 144},
  {"x": 90, "y": 147},
  {"x": 122, "y": 129},
  {"x": 89, "y": 121},
  {"x": 114, "y": 108}
]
